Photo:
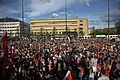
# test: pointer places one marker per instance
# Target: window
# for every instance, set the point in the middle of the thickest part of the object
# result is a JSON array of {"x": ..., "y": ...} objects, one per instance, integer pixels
[
  {"x": 81, "y": 24},
  {"x": 81, "y": 20}
]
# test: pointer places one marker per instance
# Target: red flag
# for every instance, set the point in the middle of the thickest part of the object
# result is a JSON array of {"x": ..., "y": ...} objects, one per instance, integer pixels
[
  {"x": 5, "y": 46},
  {"x": 68, "y": 76},
  {"x": 81, "y": 70}
]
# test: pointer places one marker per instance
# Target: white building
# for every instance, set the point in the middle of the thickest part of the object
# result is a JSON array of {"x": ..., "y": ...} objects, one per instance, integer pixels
[{"x": 13, "y": 27}]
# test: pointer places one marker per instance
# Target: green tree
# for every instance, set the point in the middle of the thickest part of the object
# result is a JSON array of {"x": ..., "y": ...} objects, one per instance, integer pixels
[
  {"x": 117, "y": 25},
  {"x": 10, "y": 34},
  {"x": 104, "y": 32},
  {"x": 75, "y": 32},
  {"x": 41, "y": 32},
  {"x": 54, "y": 32},
  {"x": 81, "y": 33},
  {"x": 47, "y": 35}
]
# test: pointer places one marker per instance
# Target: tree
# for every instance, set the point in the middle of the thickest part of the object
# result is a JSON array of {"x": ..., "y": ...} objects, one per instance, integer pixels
[
  {"x": 48, "y": 36},
  {"x": 10, "y": 34},
  {"x": 54, "y": 32},
  {"x": 75, "y": 32},
  {"x": 104, "y": 32},
  {"x": 81, "y": 33},
  {"x": 41, "y": 32},
  {"x": 117, "y": 25}
]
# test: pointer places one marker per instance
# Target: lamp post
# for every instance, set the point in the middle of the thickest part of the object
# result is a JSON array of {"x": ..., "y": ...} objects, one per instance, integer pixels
[
  {"x": 108, "y": 16},
  {"x": 22, "y": 11},
  {"x": 93, "y": 32},
  {"x": 66, "y": 17}
]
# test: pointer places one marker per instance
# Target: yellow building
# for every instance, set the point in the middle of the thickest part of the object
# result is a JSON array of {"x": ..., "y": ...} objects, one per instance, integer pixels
[{"x": 58, "y": 26}]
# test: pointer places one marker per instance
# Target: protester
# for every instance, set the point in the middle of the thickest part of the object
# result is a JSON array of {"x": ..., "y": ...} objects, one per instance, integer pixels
[
  {"x": 84, "y": 59},
  {"x": 103, "y": 77}
]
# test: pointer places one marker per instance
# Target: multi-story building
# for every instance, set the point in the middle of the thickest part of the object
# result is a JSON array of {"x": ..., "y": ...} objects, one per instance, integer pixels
[
  {"x": 58, "y": 26},
  {"x": 14, "y": 27}
]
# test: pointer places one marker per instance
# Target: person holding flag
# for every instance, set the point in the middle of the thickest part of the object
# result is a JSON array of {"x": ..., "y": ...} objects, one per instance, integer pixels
[{"x": 68, "y": 76}]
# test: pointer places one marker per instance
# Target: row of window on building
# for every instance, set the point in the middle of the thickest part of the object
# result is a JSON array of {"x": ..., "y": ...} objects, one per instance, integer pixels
[
  {"x": 9, "y": 24},
  {"x": 57, "y": 25},
  {"x": 55, "y": 22},
  {"x": 9, "y": 30},
  {"x": 47, "y": 33},
  {"x": 10, "y": 27}
]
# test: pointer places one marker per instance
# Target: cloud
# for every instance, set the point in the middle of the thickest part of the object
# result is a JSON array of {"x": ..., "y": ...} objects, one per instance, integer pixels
[
  {"x": 34, "y": 8},
  {"x": 41, "y": 7},
  {"x": 55, "y": 14},
  {"x": 60, "y": 14},
  {"x": 86, "y": 2},
  {"x": 114, "y": 16},
  {"x": 101, "y": 20},
  {"x": 8, "y": 8}
]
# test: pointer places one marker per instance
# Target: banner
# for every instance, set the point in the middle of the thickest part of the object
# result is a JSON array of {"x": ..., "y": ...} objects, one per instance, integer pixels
[{"x": 5, "y": 47}]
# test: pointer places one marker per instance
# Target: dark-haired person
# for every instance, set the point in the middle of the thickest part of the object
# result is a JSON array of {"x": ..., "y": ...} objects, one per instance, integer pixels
[{"x": 103, "y": 77}]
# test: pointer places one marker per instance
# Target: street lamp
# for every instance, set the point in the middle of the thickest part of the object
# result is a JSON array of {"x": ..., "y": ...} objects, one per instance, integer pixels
[
  {"x": 22, "y": 11},
  {"x": 66, "y": 17},
  {"x": 108, "y": 16},
  {"x": 93, "y": 32}
]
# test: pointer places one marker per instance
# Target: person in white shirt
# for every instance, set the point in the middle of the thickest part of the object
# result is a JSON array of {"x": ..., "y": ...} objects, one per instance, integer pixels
[
  {"x": 94, "y": 63},
  {"x": 103, "y": 77}
]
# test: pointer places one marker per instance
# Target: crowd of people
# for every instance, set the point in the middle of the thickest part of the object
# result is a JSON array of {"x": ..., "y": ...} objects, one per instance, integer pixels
[{"x": 86, "y": 59}]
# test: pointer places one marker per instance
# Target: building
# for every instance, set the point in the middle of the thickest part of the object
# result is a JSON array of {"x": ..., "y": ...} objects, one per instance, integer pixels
[
  {"x": 14, "y": 27},
  {"x": 58, "y": 26}
]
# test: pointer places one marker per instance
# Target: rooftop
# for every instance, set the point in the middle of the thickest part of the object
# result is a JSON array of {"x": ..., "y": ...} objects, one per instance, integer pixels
[
  {"x": 8, "y": 20},
  {"x": 57, "y": 18}
]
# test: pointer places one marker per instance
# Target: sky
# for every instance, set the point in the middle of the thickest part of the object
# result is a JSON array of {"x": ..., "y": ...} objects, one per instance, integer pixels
[{"x": 96, "y": 11}]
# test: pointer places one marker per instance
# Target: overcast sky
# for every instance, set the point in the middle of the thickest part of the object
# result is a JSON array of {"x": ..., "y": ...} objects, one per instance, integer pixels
[{"x": 94, "y": 10}]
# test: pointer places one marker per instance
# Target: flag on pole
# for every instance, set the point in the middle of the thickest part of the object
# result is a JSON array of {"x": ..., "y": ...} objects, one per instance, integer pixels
[
  {"x": 5, "y": 47},
  {"x": 68, "y": 76}
]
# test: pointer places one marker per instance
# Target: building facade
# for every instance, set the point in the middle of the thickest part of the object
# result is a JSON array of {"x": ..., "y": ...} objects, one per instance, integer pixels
[
  {"x": 58, "y": 26},
  {"x": 13, "y": 27}
]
